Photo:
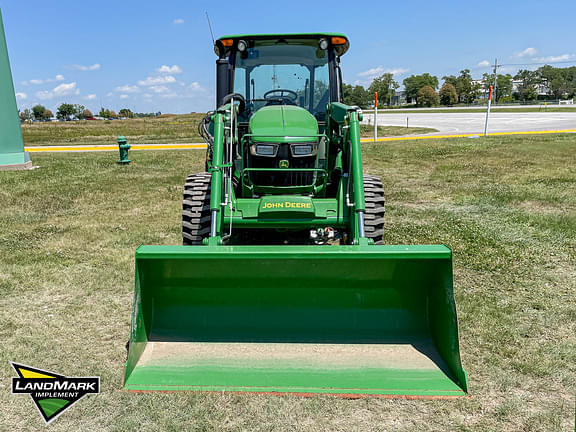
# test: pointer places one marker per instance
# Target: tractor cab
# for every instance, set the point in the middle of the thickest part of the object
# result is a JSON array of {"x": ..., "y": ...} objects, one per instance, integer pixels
[{"x": 300, "y": 70}]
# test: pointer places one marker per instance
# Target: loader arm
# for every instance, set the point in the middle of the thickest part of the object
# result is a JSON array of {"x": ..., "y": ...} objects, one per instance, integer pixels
[{"x": 346, "y": 121}]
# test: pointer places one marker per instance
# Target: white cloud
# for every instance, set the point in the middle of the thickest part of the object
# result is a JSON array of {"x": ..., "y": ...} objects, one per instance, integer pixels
[
  {"x": 44, "y": 81},
  {"x": 124, "y": 96},
  {"x": 66, "y": 89},
  {"x": 91, "y": 97},
  {"x": 377, "y": 71},
  {"x": 83, "y": 68},
  {"x": 551, "y": 59},
  {"x": 21, "y": 96},
  {"x": 196, "y": 86},
  {"x": 159, "y": 89},
  {"x": 127, "y": 89},
  {"x": 175, "y": 69},
  {"x": 152, "y": 81},
  {"x": 484, "y": 63},
  {"x": 528, "y": 52},
  {"x": 59, "y": 91},
  {"x": 178, "y": 21}
]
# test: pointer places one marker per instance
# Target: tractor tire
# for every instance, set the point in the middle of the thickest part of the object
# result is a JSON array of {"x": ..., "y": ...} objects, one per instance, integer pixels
[
  {"x": 196, "y": 209},
  {"x": 375, "y": 209}
]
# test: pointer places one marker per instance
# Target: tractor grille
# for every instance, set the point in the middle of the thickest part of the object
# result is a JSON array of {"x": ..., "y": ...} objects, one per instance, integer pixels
[{"x": 281, "y": 179}]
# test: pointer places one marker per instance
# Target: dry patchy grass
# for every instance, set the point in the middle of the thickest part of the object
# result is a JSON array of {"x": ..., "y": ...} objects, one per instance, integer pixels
[
  {"x": 505, "y": 206},
  {"x": 166, "y": 129}
]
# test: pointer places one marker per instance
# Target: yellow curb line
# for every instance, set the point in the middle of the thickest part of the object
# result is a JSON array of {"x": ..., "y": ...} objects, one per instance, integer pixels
[
  {"x": 72, "y": 149},
  {"x": 468, "y": 135}
]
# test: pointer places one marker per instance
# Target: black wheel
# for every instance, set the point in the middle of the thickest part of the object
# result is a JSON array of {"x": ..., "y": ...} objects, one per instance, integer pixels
[
  {"x": 374, "y": 216},
  {"x": 196, "y": 209}
]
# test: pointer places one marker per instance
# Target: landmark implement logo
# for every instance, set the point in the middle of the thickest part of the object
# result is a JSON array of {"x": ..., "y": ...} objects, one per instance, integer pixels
[{"x": 52, "y": 393}]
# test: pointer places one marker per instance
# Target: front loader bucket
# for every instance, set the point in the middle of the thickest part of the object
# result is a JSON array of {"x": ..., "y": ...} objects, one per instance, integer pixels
[{"x": 348, "y": 320}]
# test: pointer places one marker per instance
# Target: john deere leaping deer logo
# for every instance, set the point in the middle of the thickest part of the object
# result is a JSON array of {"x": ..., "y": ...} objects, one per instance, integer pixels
[{"x": 52, "y": 393}]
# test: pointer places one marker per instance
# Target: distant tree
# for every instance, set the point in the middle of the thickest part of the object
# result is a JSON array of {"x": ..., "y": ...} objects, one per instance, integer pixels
[
  {"x": 65, "y": 111},
  {"x": 104, "y": 112},
  {"x": 427, "y": 97},
  {"x": 125, "y": 112},
  {"x": 528, "y": 87},
  {"x": 414, "y": 83},
  {"x": 465, "y": 87},
  {"x": 38, "y": 112},
  {"x": 448, "y": 94},
  {"x": 356, "y": 96},
  {"x": 86, "y": 114},
  {"x": 557, "y": 79},
  {"x": 384, "y": 85},
  {"x": 79, "y": 111},
  {"x": 503, "y": 85},
  {"x": 26, "y": 115},
  {"x": 468, "y": 90},
  {"x": 451, "y": 79},
  {"x": 48, "y": 114},
  {"x": 113, "y": 114}
]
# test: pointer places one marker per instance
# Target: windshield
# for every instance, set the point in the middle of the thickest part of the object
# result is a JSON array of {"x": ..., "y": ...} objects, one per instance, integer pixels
[{"x": 290, "y": 72}]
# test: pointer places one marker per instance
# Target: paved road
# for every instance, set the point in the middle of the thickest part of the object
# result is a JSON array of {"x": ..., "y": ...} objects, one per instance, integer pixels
[
  {"x": 476, "y": 107},
  {"x": 458, "y": 123}
]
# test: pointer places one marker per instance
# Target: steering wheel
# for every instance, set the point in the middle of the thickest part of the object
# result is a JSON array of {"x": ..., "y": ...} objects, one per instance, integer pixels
[{"x": 283, "y": 95}]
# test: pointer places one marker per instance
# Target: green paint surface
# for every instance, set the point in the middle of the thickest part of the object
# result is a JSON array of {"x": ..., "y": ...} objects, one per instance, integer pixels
[
  {"x": 293, "y": 379},
  {"x": 11, "y": 144},
  {"x": 50, "y": 406},
  {"x": 387, "y": 312},
  {"x": 283, "y": 123}
]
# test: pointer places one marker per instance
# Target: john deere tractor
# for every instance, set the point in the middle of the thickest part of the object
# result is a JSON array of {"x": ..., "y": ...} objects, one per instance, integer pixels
[{"x": 284, "y": 283}]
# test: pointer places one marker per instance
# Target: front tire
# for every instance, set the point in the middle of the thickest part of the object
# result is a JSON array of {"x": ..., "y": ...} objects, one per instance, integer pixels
[
  {"x": 196, "y": 209},
  {"x": 375, "y": 209}
]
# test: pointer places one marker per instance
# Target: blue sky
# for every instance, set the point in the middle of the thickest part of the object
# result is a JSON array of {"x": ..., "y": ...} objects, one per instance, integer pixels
[{"x": 157, "y": 56}]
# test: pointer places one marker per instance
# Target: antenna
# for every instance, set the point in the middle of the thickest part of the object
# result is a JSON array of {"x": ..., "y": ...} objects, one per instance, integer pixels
[{"x": 210, "y": 27}]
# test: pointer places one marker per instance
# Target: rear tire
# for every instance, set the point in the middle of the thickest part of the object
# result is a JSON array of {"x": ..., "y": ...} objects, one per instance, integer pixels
[
  {"x": 196, "y": 209},
  {"x": 375, "y": 209}
]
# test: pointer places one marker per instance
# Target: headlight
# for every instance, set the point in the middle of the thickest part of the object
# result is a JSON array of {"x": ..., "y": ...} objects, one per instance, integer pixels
[
  {"x": 302, "y": 150},
  {"x": 268, "y": 150}
]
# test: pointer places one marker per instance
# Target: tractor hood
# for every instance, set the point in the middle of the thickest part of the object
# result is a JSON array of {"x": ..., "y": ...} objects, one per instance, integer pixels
[{"x": 283, "y": 123}]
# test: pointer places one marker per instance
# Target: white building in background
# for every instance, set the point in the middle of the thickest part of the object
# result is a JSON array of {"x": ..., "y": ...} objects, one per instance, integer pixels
[{"x": 542, "y": 88}]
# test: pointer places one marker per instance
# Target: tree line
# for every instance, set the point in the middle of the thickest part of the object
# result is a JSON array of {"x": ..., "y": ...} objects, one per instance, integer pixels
[
  {"x": 422, "y": 90},
  {"x": 67, "y": 112}
]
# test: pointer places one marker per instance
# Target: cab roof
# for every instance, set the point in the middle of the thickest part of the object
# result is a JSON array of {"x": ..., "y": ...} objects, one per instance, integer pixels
[{"x": 340, "y": 49}]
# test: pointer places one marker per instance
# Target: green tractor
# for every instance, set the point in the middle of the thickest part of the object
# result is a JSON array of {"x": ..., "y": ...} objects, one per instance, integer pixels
[{"x": 283, "y": 284}]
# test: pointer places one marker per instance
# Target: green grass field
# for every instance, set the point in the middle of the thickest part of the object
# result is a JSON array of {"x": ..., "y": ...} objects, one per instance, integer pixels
[
  {"x": 167, "y": 129},
  {"x": 506, "y": 206}
]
